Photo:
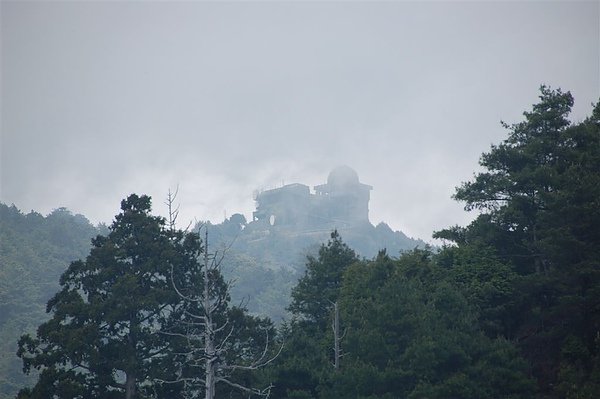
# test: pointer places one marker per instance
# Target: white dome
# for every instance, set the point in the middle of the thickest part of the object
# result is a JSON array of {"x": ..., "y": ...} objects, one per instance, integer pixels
[{"x": 342, "y": 176}]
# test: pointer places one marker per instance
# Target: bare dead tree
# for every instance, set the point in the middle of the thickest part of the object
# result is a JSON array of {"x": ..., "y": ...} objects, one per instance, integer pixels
[
  {"x": 210, "y": 336},
  {"x": 337, "y": 337},
  {"x": 173, "y": 210}
]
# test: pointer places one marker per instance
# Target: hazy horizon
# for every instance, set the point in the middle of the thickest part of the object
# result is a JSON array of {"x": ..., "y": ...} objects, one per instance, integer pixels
[{"x": 100, "y": 100}]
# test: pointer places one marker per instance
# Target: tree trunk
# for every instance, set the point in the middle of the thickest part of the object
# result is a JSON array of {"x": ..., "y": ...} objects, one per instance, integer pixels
[
  {"x": 336, "y": 337},
  {"x": 130, "y": 378},
  {"x": 129, "y": 385},
  {"x": 209, "y": 344},
  {"x": 210, "y": 370}
]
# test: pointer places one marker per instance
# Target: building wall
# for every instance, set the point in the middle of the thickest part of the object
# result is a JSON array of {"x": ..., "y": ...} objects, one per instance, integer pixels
[{"x": 333, "y": 204}]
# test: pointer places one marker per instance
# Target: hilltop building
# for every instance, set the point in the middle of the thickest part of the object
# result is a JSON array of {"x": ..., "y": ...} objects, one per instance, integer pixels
[{"x": 342, "y": 202}]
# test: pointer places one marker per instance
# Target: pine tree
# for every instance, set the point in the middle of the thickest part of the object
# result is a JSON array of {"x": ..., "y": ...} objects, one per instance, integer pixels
[{"x": 103, "y": 340}]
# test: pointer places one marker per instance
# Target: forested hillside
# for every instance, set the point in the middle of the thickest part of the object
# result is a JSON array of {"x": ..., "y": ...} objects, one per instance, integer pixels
[
  {"x": 540, "y": 200},
  {"x": 509, "y": 307},
  {"x": 266, "y": 261},
  {"x": 407, "y": 327},
  {"x": 34, "y": 252}
]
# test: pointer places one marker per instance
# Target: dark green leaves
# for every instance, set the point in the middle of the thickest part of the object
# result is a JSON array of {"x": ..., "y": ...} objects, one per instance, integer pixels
[
  {"x": 319, "y": 288},
  {"x": 107, "y": 318}
]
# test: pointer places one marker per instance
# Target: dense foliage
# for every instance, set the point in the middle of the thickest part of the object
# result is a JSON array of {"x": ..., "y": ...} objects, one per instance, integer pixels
[
  {"x": 409, "y": 331},
  {"x": 104, "y": 334},
  {"x": 119, "y": 326},
  {"x": 34, "y": 252},
  {"x": 540, "y": 197},
  {"x": 508, "y": 308},
  {"x": 267, "y": 261}
]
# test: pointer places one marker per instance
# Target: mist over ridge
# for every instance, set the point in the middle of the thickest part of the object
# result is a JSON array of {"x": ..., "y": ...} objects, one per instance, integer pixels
[
  {"x": 302, "y": 218},
  {"x": 225, "y": 98}
]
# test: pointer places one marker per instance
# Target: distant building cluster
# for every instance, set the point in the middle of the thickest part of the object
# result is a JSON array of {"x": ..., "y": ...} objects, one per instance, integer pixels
[{"x": 343, "y": 202}]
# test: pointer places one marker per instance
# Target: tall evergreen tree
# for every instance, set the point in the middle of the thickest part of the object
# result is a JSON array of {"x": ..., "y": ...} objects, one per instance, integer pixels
[
  {"x": 103, "y": 340},
  {"x": 309, "y": 356},
  {"x": 413, "y": 334},
  {"x": 319, "y": 288},
  {"x": 521, "y": 175},
  {"x": 540, "y": 197}
]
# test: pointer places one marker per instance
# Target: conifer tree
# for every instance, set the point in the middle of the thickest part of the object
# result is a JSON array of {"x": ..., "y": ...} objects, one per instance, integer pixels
[{"x": 103, "y": 340}]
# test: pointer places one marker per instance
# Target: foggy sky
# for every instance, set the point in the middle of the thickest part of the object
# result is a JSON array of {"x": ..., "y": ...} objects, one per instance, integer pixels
[{"x": 100, "y": 100}]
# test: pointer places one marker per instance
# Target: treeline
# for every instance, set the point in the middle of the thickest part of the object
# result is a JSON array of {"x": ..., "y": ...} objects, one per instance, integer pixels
[
  {"x": 34, "y": 252},
  {"x": 508, "y": 308},
  {"x": 266, "y": 261},
  {"x": 146, "y": 314},
  {"x": 408, "y": 328},
  {"x": 540, "y": 197}
]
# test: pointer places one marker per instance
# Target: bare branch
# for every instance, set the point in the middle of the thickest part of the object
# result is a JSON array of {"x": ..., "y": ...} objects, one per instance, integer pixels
[
  {"x": 173, "y": 211},
  {"x": 259, "y": 363},
  {"x": 266, "y": 392},
  {"x": 209, "y": 341}
]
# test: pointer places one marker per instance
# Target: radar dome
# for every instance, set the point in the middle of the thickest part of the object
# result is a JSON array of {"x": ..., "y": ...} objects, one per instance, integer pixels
[{"x": 342, "y": 176}]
